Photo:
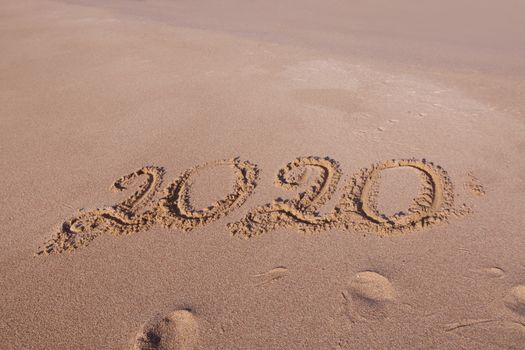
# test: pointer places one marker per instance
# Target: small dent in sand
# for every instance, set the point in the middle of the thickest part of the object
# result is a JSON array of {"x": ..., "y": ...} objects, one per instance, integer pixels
[
  {"x": 271, "y": 276},
  {"x": 493, "y": 272},
  {"x": 177, "y": 330},
  {"x": 515, "y": 299},
  {"x": 475, "y": 186}
]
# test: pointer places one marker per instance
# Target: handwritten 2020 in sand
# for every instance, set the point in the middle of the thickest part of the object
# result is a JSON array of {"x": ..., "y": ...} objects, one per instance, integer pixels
[{"x": 314, "y": 179}]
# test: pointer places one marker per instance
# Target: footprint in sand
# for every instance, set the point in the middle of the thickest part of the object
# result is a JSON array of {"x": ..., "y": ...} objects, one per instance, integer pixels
[
  {"x": 369, "y": 296},
  {"x": 515, "y": 299},
  {"x": 176, "y": 330}
]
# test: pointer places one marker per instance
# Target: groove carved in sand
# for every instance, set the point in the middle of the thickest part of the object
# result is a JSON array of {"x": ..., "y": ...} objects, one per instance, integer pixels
[
  {"x": 175, "y": 207},
  {"x": 121, "y": 218},
  {"x": 300, "y": 212},
  {"x": 173, "y": 210},
  {"x": 271, "y": 276},
  {"x": 315, "y": 179}
]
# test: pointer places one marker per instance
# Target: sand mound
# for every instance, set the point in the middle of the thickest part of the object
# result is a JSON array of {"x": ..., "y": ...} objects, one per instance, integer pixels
[
  {"x": 373, "y": 287},
  {"x": 370, "y": 296}
]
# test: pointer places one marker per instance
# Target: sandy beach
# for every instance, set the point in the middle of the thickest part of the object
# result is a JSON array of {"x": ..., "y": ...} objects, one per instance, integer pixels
[{"x": 262, "y": 174}]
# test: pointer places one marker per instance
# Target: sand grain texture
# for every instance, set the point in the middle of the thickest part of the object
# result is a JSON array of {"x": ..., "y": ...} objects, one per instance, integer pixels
[{"x": 282, "y": 174}]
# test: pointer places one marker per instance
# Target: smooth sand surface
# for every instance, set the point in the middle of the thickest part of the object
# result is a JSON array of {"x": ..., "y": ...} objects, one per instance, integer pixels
[{"x": 262, "y": 174}]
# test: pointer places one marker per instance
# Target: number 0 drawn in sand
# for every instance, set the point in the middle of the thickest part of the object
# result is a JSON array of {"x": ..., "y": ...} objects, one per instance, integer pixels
[
  {"x": 175, "y": 206},
  {"x": 314, "y": 179},
  {"x": 434, "y": 203}
]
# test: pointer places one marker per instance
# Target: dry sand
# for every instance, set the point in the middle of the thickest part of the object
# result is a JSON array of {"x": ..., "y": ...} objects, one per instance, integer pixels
[{"x": 281, "y": 174}]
